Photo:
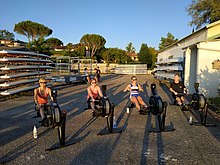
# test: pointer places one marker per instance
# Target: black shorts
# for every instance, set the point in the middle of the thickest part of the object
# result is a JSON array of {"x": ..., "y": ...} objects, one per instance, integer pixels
[{"x": 176, "y": 96}]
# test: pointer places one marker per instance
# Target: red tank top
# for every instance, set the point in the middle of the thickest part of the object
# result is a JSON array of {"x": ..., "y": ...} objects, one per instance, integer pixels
[
  {"x": 95, "y": 95},
  {"x": 42, "y": 99}
]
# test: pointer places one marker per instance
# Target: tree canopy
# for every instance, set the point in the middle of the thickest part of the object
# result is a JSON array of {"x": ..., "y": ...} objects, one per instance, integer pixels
[
  {"x": 116, "y": 55},
  {"x": 51, "y": 42},
  {"x": 166, "y": 41},
  {"x": 144, "y": 56},
  {"x": 32, "y": 30},
  {"x": 93, "y": 42},
  {"x": 203, "y": 12},
  {"x": 6, "y": 35},
  {"x": 39, "y": 46},
  {"x": 75, "y": 50},
  {"x": 130, "y": 47},
  {"x": 153, "y": 53}
]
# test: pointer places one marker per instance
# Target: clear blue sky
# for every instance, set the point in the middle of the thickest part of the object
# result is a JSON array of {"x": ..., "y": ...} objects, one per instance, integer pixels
[{"x": 118, "y": 21}]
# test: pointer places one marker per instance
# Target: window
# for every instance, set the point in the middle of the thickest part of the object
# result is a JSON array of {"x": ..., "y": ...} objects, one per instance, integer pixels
[{"x": 170, "y": 57}]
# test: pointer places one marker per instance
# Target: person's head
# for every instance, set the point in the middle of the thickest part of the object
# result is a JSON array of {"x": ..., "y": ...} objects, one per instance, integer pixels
[
  {"x": 93, "y": 82},
  {"x": 85, "y": 69},
  {"x": 98, "y": 67},
  {"x": 133, "y": 78},
  {"x": 176, "y": 77},
  {"x": 43, "y": 82}
]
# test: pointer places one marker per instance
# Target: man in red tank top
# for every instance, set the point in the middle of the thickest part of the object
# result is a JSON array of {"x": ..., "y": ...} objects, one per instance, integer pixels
[{"x": 41, "y": 96}]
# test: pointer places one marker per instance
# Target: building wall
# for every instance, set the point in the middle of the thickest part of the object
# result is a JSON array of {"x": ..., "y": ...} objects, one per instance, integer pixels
[
  {"x": 198, "y": 52},
  {"x": 206, "y": 75},
  {"x": 212, "y": 31},
  {"x": 174, "y": 51},
  {"x": 198, "y": 68},
  {"x": 177, "y": 50}
]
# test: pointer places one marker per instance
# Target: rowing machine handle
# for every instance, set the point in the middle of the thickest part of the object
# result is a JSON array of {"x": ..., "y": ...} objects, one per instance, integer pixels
[{"x": 153, "y": 89}]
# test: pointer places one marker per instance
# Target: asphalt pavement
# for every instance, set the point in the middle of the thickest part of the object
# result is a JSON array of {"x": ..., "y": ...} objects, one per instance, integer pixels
[{"x": 136, "y": 140}]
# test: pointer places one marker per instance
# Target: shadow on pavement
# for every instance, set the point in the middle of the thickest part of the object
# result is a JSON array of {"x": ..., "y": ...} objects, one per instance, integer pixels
[{"x": 13, "y": 125}]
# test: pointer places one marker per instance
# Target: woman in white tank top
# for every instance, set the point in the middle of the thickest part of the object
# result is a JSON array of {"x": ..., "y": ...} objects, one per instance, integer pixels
[{"x": 135, "y": 97}]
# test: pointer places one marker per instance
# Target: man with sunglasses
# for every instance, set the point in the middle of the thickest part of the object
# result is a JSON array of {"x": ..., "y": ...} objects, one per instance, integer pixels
[
  {"x": 94, "y": 93},
  {"x": 41, "y": 98},
  {"x": 135, "y": 97}
]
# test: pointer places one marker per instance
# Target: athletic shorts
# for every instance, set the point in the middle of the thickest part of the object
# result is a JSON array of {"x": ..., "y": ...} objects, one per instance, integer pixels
[{"x": 135, "y": 95}]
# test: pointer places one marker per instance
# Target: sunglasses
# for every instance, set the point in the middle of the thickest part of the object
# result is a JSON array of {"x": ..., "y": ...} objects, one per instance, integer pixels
[
  {"x": 134, "y": 79},
  {"x": 93, "y": 82},
  {"x": 43, "y": 82}
]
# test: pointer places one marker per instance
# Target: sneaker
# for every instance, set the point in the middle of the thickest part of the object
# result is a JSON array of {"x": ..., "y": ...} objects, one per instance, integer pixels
[{"x": 142, "y": 112}]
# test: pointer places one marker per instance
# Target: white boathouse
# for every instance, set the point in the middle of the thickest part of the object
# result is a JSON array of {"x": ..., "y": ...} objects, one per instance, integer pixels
[{"x": 193, "y": 57}]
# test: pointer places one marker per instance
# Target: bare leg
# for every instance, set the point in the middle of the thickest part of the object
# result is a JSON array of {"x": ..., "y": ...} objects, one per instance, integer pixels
[
  {"x": 41, "y": 108},
  {"x": 92, "y": 105},
  {"x": 135, "y": 101},
  {"x": 178, "y": 101},
  {"x": 140, "y": 100},
  {"x": 182, "y": 99}
]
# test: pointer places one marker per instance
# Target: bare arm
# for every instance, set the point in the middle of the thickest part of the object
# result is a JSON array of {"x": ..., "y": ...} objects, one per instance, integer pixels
[
  {"x": 99, "y": 91},
  {"x": 35, "y": 96},
  {"x": 90, "y": 93},
  {"x": 140, "y": 88},
  {"x": 126, "y": 88},
  {"x": 51, "y": 97}
]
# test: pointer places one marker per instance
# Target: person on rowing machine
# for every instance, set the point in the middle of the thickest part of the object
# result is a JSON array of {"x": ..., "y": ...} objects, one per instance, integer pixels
[
  {"x": 94, "y": 94},
  {"x": 87, "y": 76},
  {"x": 135, "y": 97},
  {"x": 41, "y": 99},
  {"x": 178, "y": 90}
]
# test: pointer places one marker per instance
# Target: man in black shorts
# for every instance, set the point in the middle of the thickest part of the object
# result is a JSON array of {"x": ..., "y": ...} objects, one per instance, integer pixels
[
  {"x": 97, "y": 74},
  {"x": 178, "y": 89}
]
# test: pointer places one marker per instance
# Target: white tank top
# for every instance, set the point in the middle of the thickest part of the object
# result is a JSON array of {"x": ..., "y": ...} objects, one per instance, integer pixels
[{"x": 134, "y": 89}]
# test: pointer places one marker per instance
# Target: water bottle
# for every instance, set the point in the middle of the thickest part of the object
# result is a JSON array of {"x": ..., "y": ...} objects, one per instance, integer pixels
[
  {"x": 35, "y": 132},
  {"x": 128, "y": 110},
  {"x": 190, "y": 120},
  {"x": 114, "y": 123}
]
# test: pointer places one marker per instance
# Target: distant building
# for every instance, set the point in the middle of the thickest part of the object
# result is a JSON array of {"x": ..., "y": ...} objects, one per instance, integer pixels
[
  {"x": 62, "y": 48},
  {"x": 59, "y": 48},
  {"x": 192, "y": 57},
  {"x": 133, "y": 55},
  {"x": 4, "y": 42},
  {"x": 9, "y": 43}
]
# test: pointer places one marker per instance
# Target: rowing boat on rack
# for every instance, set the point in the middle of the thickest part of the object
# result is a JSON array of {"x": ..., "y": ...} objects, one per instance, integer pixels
[
  {"x": 26, "y": 74},
  {"x": 22, "y": 53},
  {"x": 20, "y": 89},
  {"x": 24, "y": 60},
  {"x": 13, "y": 83},
  {"x": 21, "y": 67}
]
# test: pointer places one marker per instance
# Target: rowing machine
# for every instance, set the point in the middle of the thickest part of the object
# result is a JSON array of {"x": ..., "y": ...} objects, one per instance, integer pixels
[{"x": 158, "y": 108}]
